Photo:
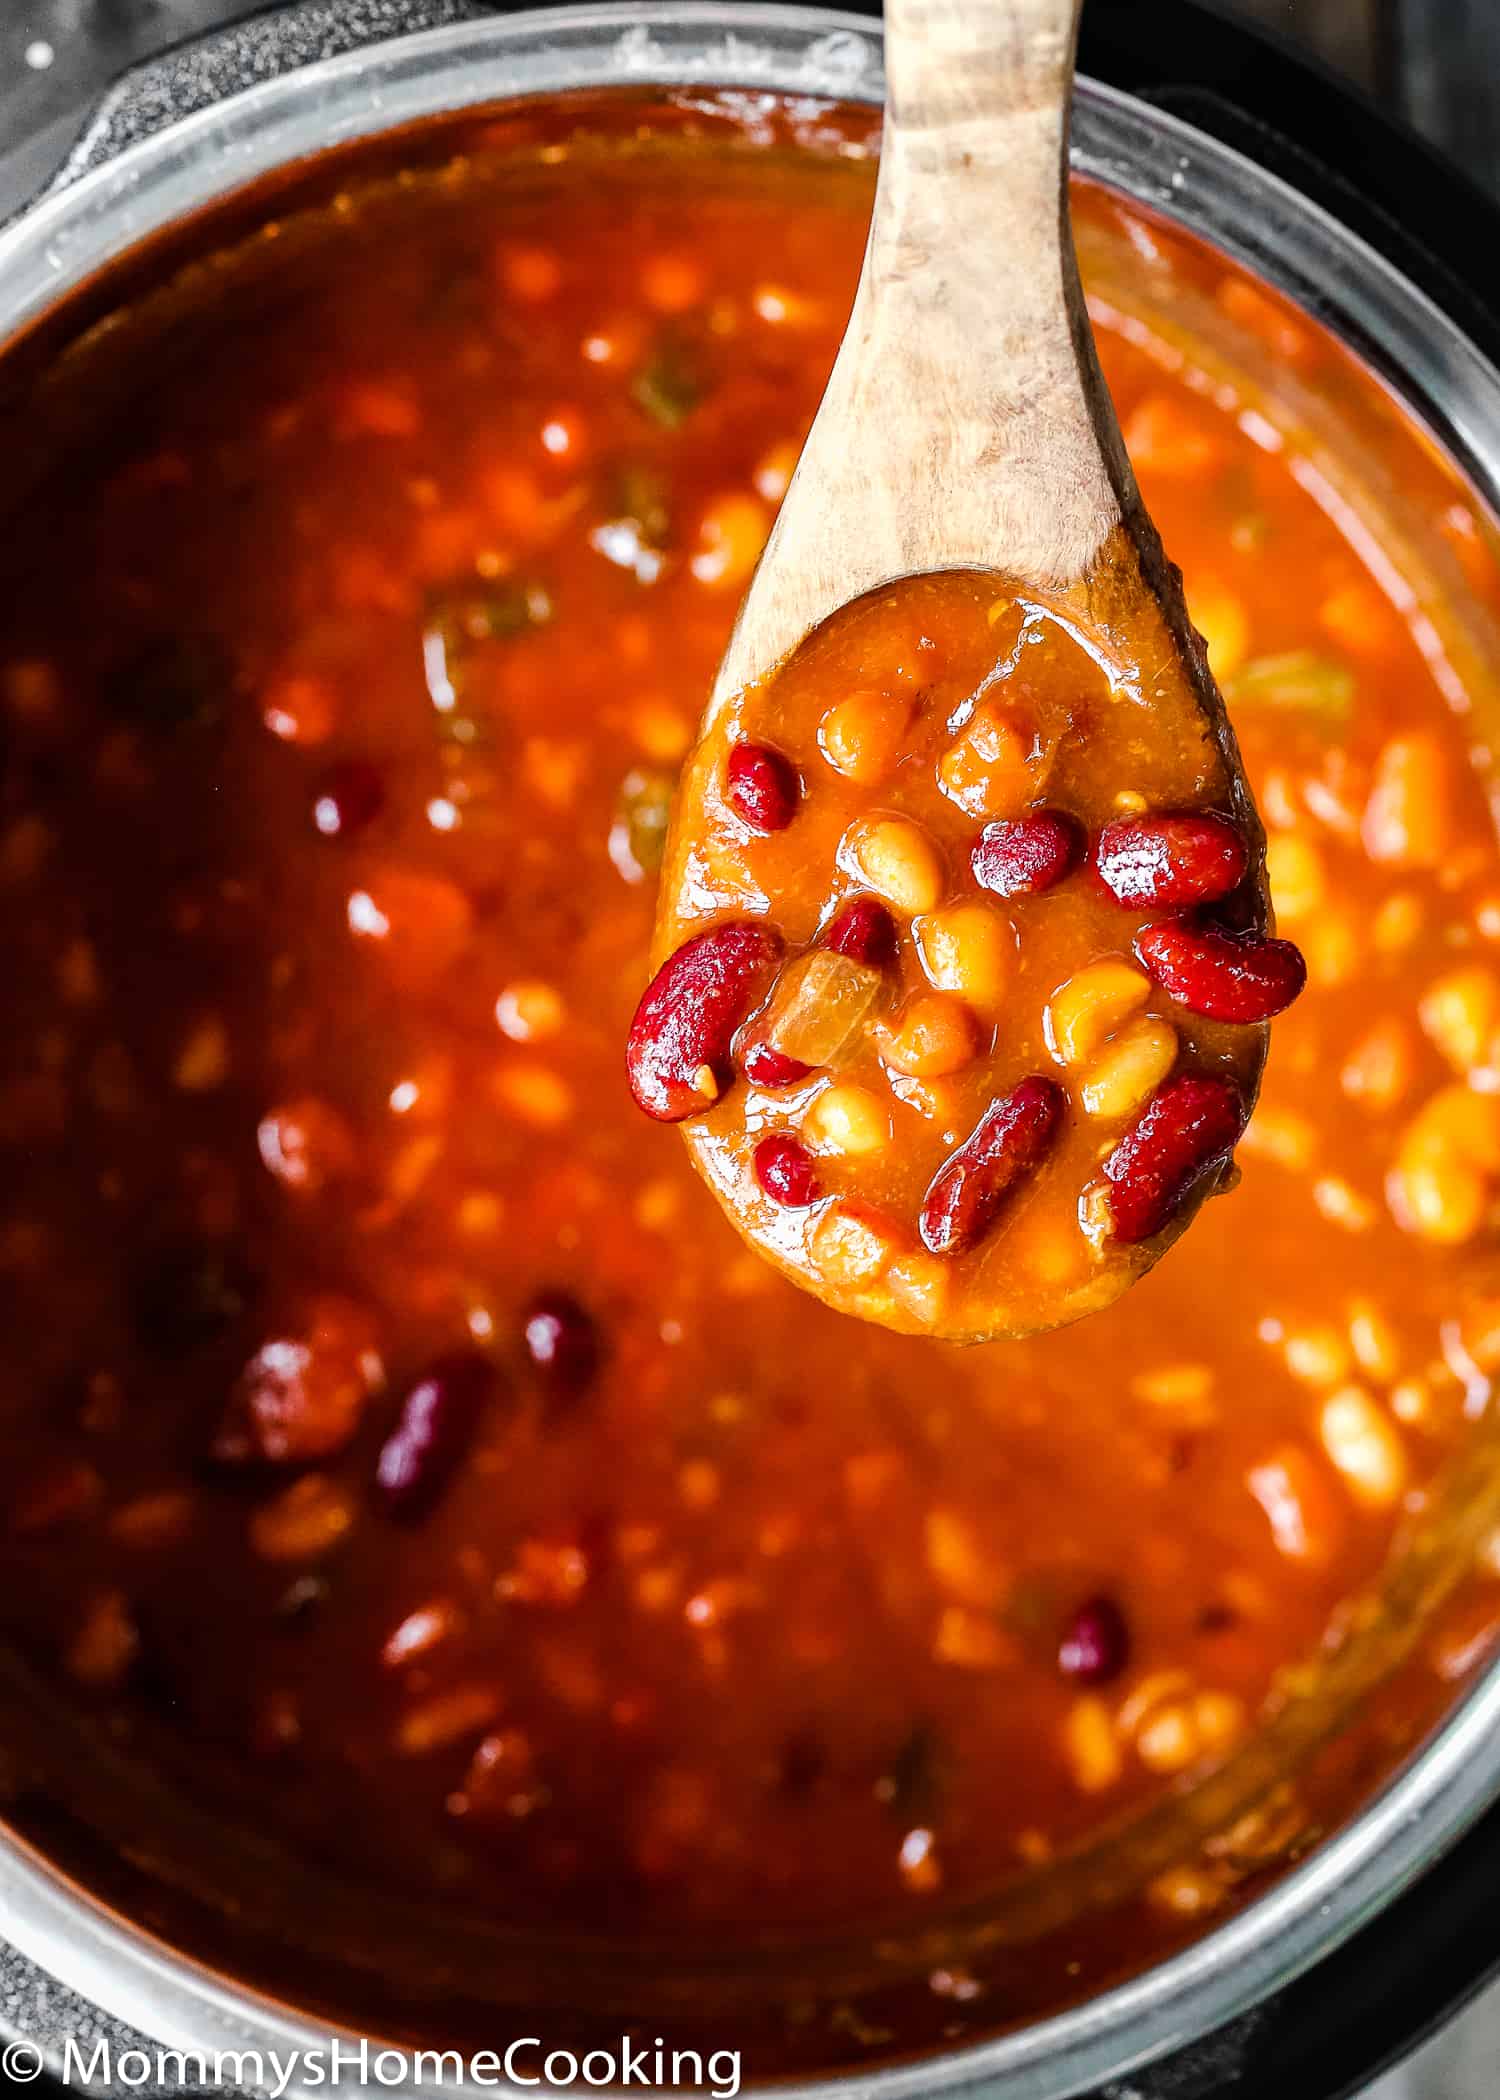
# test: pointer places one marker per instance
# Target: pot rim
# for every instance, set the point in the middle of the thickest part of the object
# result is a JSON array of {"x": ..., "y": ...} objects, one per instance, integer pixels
[{"x": 87, "y": 220}]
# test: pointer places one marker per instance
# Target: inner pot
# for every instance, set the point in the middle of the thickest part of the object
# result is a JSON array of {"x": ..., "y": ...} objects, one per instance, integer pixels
[{"x": 804, "y": 2001}]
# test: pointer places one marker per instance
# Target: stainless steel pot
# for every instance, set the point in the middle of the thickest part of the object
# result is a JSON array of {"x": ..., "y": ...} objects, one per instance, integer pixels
[{"x": 90, "y": 218}]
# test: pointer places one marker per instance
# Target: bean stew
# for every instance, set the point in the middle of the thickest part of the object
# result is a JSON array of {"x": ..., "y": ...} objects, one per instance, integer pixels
[
  {"x": 409, "y": 1469},
  {"x": 995, "y": 1046}
]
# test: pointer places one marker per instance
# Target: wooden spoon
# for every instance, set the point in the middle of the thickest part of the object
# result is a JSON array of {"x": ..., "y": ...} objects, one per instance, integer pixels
[{"x": 963, "y": 558}]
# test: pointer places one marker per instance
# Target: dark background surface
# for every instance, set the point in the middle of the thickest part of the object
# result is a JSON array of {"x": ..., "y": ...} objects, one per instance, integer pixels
[{"x": 1435, "y": 63}]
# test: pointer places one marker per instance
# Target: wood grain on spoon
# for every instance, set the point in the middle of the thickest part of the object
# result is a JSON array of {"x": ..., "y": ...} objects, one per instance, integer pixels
[
  {"x": 966, "y": 424},
  {"x": 963, "y": 700}
]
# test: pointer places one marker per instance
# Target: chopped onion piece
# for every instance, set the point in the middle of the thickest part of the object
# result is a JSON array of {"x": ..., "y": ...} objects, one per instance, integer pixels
[{"x": 819, "y": 1004}]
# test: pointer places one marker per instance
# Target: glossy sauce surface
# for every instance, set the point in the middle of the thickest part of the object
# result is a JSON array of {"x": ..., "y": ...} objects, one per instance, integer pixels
[
  {"x": 405, "y": 1458},
  {"x": 962, "y": 826}
]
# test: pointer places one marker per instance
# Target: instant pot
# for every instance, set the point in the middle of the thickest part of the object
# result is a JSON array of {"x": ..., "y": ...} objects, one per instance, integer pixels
[{"x": 1390, "y": 1925}]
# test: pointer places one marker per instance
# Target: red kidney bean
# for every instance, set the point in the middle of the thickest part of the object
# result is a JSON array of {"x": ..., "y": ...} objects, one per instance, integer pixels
[
  {"x": 347, "y": 798},
  {"x": 762, "y": 787},
  {"x": 785, "y": 1170},
  {"x": 562, "y": 1342},
  {"x": 1189, "y": 1126},
  {"x": 678, "y": 1053},
  {"x": 1022, "y": 856},
  {"x": 863, "y": 930},
  {"x": 1240, "y": 977},
  {"x": 1095, "y": 1645},
  {"x": 1009, "y": 1142},
  {"x": 1188, "y": 859},
  {"x": 764, "y": 1065},
  {"x": 302, "y": 1395},
  {"x": 437, "y": 1421}
]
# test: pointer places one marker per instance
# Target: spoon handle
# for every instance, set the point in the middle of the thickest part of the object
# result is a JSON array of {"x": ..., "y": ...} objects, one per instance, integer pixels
[
  {"x": 966, "y": 423},
  {"x": 972, "y": 275}
]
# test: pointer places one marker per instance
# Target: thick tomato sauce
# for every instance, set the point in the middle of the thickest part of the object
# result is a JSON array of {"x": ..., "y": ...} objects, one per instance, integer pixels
[
  {"x": 404, "y": 1455},
  {"x": 981, "y": 1093}
]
